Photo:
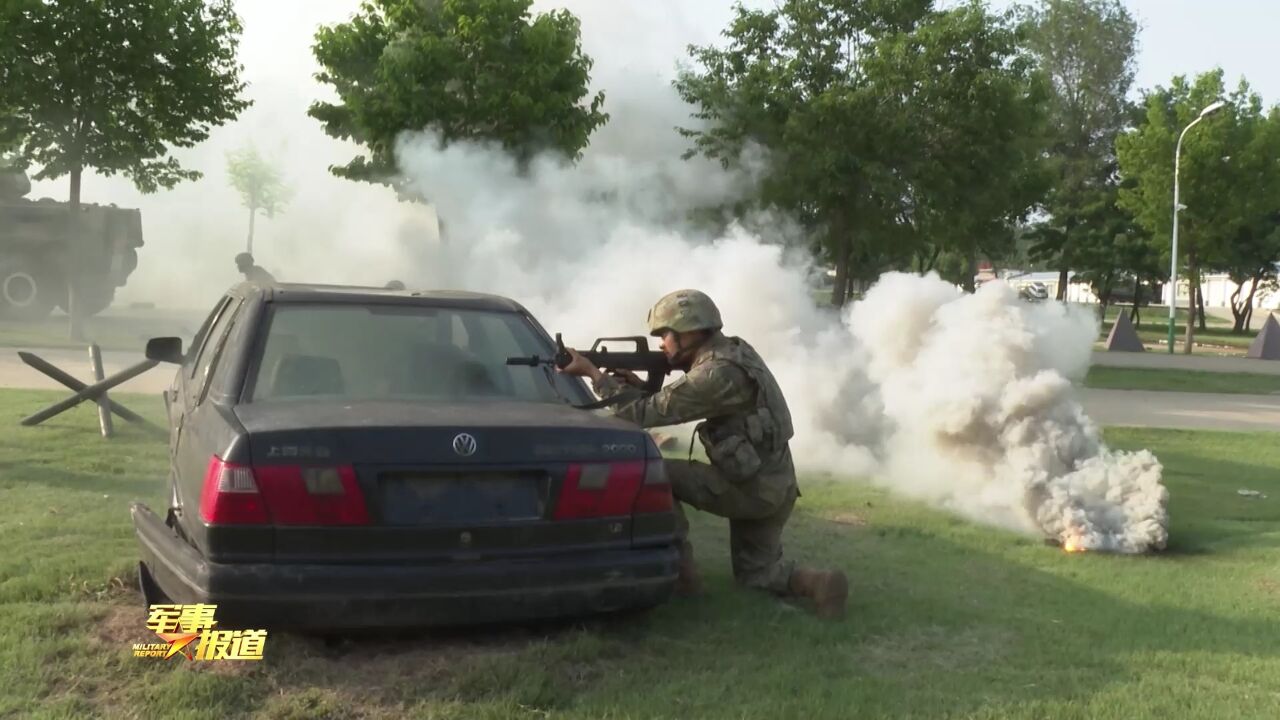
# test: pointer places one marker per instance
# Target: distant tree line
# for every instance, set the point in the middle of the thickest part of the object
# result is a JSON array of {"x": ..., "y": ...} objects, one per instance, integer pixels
[{"x": 902, "y": 134}]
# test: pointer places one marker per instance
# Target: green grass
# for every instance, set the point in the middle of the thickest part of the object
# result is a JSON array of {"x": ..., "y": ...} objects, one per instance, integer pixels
[
  {"x": 1153, "y": 329},
  {"x": 948, "y": 619},
  {"x": 1119, "y": 378},
  {"x": 1158, "y": 315}
]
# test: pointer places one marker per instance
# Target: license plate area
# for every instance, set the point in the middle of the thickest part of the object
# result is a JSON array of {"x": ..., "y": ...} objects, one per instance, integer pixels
[{"x": 422, "y": 498}]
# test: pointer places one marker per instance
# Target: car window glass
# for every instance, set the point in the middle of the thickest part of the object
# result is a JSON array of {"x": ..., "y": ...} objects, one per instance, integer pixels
[
  {"x": 213, "y": 343},
  {"x": 222, "y": 360},
  {"x": 386, "y": 352},
  {"x": 202, "y": 336}
]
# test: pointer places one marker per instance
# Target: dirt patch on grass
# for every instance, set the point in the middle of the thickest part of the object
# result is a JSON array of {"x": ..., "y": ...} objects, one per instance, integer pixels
[
  {"x": 1269, "y": 587},
  {"x": 539, "y": 666},
  {"x": 123, "y": 625},
  {"x": 933, "y": 649},
  {"x": 847, "y": 518}
]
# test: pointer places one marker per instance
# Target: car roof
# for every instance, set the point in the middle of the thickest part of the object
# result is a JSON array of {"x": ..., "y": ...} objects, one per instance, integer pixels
[{"x": 356, "y": 294}]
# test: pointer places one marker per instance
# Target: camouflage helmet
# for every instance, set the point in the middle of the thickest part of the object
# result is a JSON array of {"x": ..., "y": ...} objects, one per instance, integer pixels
[{"x": 684, "y": 311}]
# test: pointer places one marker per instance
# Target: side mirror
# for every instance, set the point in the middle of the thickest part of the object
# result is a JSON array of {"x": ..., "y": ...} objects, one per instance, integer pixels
[{"x": 165, "y": 349}]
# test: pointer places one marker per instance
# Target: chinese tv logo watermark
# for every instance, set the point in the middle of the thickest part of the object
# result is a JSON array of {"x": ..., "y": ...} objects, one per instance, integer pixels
[{"x": 188, "y": 628}]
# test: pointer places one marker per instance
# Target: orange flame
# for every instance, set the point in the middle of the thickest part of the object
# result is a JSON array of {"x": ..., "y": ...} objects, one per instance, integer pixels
[{"x": 1072, "y": 545}]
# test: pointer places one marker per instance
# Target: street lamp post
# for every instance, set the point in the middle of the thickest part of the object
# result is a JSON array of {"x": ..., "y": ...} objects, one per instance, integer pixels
[{"x": 1173, "y": 259}]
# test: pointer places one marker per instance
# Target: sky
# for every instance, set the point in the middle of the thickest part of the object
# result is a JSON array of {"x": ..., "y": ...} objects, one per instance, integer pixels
[
  {"x": 635, "y": 44},
  {"x": 1191, "y": 36}
]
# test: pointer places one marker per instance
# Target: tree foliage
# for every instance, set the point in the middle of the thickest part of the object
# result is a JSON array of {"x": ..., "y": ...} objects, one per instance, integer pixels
[
  {"x": 1249, "y": 257},
  {"x": 1110, "y": 250},
  {"x": 1230, "y": 167},
  {"x": 113, "y": 85},
  {"x": 1086, "y": 50},
  {"x": 886, "y": 121},
  {"x": 465, "y": 69},
  {"x": 260, "y": 185},
  {"x": 975, "y": 117}
]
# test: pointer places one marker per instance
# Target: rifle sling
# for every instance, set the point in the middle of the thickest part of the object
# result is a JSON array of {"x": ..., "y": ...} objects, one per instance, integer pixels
[{"x": 627, "y": 395}]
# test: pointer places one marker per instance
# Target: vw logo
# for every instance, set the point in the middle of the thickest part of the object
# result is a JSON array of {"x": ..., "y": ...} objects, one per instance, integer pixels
[{"x": 464, "y": 445}]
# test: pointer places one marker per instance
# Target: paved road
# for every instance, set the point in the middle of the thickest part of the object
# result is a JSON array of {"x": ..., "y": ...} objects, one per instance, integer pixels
[
  {"x": 1197, "y": 411},
  {"x": 1178, "y": 361},
  {"x": 16, "y": 374}
]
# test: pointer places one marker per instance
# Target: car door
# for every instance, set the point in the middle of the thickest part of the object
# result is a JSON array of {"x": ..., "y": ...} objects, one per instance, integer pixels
[
  {"x": 175, "y": 400},
  {"x": 189, "y": 458}
]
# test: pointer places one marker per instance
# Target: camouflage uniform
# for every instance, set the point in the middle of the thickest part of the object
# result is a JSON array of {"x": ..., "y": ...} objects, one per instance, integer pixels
[{"x": 751, "y": 479}]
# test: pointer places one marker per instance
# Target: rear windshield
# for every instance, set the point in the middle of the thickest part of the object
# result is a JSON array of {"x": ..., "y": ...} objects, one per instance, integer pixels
[{"x": 391, "y": 352}]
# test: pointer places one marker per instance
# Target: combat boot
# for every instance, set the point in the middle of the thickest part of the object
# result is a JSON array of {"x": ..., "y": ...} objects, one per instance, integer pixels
[
  {"x": 827, "y": 589},
  {"x": 689, "y": 581}
]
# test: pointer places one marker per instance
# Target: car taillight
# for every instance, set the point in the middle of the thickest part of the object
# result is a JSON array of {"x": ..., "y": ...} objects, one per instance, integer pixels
[
  {"x": 281, "y": 494},
  {"x": 230, "y": 496},
  {"x": 299, "y": 495},
  {"x": 655, "y": 492},
  {"x": 596, "y": 490}
]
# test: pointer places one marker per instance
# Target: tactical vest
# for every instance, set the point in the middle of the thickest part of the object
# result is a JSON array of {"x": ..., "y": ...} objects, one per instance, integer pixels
[{"x": 746, "y": 442}]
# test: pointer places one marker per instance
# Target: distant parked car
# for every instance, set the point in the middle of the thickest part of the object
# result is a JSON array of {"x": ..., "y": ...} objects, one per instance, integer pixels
[
  {"x": 1033, "y": 291},
  {"x": 358, "y": 457}
]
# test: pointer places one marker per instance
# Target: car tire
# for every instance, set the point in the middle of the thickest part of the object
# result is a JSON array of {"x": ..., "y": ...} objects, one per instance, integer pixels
[{"x": 29, "y": 287}]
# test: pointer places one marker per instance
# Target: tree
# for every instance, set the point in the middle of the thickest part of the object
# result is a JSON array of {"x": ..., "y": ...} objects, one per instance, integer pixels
[
  {"x": 1228, "y": 180},
  {"x": 464, "y": 69},
  {"x": 112, "y": 86},
  {"x": 1250, "y": 256},
  {"x": 977, "y": 131},
  {"x": 1111, "y": 250},
  {"x": 1250, "y": 260},
  {"x": 1086, "y": 49},
  {"x": 794, "y": 81},
  {"x": 260, "y": 186},
  {"x": 878, "y": 117}
]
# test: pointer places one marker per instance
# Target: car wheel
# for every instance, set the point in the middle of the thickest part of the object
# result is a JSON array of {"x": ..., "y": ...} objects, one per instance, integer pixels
[{"x": 29, "y": 288}]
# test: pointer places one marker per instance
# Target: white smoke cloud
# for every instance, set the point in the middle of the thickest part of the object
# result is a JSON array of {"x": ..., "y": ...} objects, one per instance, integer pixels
[
  {"x": 977, "y": 392},
  {"x": 964, "y": 401}
]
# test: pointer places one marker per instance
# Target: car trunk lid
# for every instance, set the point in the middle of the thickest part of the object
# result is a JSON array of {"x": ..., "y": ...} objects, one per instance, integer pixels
[{"x": 441, "y": 482}]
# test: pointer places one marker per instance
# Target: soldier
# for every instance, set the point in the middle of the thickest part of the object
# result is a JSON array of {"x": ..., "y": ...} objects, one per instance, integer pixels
[
  {"x": 253, "y": 273},
  {"x": 745, "y": 431}
]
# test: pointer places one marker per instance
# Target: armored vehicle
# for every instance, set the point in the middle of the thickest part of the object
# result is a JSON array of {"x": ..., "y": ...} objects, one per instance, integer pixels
[{"x": 38, "y": 244}]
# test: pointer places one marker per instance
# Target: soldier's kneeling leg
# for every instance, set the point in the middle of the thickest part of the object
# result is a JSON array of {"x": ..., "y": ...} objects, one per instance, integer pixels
[{"x": 755, "y": 523}]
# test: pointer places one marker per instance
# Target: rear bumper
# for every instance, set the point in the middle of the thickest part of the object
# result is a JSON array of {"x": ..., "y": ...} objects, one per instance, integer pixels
[{"x": 319, "y": 596}]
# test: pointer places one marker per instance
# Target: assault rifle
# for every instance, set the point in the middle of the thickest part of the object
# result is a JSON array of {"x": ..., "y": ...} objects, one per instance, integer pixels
[{"x": 652, "y": 362}]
